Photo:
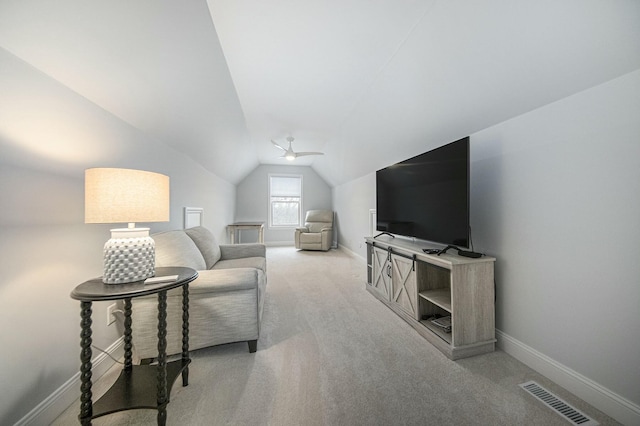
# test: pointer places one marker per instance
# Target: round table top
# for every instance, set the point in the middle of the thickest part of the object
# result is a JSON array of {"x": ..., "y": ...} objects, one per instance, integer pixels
[{"x": 95, "y": 289}]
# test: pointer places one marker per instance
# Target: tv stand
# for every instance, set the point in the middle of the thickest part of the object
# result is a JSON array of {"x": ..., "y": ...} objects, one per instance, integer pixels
[{"x": 420, "y": 287}]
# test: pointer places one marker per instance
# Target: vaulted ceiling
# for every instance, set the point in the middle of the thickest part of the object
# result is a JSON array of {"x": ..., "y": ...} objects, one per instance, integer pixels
[{"x": 367, "y": 82}]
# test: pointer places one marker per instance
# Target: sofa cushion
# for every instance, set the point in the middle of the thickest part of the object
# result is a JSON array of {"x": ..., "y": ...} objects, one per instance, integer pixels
[
  {"x": 245, "y": 262},
  {"x": 175, "y": 248},
  {"x": 237, "y": 251},
  {"x": 223, "y": 280},
  {"x": 206, "y": 243}
]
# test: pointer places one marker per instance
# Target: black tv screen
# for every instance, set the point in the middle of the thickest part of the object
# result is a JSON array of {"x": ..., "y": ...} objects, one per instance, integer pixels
[{"x": 427, "y": 196}]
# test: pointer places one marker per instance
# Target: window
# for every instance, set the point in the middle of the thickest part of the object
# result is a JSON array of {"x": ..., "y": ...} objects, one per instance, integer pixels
[{"x": 285, "y": 201}]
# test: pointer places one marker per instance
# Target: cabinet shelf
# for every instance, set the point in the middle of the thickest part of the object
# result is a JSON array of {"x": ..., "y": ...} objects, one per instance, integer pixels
[{"x": 440, "y": 297}]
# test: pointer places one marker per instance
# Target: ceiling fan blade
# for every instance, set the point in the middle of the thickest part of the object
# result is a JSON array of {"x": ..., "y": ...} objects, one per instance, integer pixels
[
  {"x": 284, "y": 149},
  {"x": 300, "y": 154}
]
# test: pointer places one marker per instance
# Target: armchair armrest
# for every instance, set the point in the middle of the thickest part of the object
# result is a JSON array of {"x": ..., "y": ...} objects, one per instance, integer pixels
[
  {"x": 238, "y": 251},
  {"x": 302, "y": 229}
]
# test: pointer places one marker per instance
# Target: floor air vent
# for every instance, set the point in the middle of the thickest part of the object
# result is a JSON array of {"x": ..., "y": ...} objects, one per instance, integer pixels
[{"x": 556, "y": 404}]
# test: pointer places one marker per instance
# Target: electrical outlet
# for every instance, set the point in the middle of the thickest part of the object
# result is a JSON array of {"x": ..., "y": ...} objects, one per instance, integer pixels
[{"x": 111, "y": 317}]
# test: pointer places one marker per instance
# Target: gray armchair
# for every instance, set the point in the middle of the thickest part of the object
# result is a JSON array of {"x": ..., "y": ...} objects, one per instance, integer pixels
[{"x": 317, "y": 231}]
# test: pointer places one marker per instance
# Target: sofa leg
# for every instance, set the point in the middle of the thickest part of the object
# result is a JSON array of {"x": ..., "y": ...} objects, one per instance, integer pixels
[{"x": 253, "y": 345}]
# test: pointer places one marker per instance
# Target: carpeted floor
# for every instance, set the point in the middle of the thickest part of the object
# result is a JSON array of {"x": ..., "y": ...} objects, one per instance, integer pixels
[{"x": 331, "y": 354}]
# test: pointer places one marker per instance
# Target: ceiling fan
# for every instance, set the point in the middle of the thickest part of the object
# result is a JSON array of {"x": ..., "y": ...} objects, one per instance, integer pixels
[{"x": 290, "y": 154}]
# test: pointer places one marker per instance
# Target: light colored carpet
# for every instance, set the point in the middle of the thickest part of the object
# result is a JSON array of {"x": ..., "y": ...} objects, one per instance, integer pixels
[{"x": 331, "y": 354}]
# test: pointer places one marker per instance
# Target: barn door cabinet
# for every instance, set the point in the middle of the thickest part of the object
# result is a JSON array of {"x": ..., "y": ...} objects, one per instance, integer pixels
[
  {"x": 380, "y": 285},
  {"x": 418, "y": 287}
]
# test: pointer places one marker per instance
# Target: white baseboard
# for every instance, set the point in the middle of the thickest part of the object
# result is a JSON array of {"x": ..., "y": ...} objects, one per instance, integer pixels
[
  {"x": 610, "y": 403},
  {"x": 56, "y": 403},
  {"x": 351, "y": 253},
  {"x": 279, "y": 243}
]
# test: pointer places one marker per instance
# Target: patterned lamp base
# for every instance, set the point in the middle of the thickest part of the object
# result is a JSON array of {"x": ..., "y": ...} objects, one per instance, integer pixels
[{"x": 129, "y": 256}]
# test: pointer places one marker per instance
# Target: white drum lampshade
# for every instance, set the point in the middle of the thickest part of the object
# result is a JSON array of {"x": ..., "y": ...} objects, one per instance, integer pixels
[{"x": 126, "y": 196}]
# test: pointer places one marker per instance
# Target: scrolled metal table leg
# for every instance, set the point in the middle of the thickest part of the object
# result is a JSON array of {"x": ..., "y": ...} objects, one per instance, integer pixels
[
  {"x": 162, "y": 358},
  {"x": 185, "y": 332},
  {"x": 128, "y": 345},
  {"x": 86, "y": 407}
]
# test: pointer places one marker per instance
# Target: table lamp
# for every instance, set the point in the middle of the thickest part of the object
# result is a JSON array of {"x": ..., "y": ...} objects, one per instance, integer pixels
[{"x": 126, "y": 196}]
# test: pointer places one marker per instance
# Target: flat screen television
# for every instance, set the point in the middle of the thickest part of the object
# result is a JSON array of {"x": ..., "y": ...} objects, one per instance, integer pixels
[{"x": 427, "y": 196}]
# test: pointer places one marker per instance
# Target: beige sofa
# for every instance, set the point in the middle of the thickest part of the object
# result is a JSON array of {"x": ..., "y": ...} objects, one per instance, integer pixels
[{"x": 225, "y": 301}]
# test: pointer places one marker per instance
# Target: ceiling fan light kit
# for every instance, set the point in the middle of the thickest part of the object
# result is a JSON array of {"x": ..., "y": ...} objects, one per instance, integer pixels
[{"x": 290, "y": 154}]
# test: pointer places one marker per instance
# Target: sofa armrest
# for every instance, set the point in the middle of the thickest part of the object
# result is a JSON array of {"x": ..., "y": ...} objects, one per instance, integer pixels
[
  {"x": 238, "y": 251},
  {"x": 224, "y": 280}
]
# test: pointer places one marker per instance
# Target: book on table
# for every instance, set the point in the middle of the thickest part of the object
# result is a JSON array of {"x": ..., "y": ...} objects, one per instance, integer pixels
[
  {"x": 443, "y": 322},
  {"x": 161, "y": 280}
]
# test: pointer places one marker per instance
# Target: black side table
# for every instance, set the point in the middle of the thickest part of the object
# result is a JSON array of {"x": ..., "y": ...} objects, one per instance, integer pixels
[{"x": 138, "y": 386}]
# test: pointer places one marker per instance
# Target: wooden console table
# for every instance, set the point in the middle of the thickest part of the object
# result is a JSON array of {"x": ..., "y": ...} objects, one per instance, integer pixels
[
  {"x": 239, "y": 226},
  {"x": 138, "y": 386}
]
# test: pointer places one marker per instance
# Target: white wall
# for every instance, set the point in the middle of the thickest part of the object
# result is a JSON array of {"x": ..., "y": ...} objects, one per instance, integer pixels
[
  {"x": 352, "y": 202},
  {"x": 555, "y": 196},
  {"x": 48, "y": 136},
  {"x": 252, "y": 202}
]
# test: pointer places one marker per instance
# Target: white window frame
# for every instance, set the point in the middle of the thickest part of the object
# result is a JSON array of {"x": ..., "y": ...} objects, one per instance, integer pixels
[{"x": 269, "y": 201}]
